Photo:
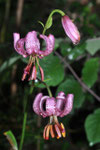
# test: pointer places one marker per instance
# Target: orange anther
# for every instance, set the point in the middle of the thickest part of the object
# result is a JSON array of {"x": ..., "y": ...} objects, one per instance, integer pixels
[{"x": 52, "y": 131}]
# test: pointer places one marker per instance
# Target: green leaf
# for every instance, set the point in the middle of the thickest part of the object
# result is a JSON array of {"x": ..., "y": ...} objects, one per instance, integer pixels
[
  {"x": 65, "y": 48},
  {"x": 49, "y": 23},
  {"x": 79, "y": 50},
  {"x": 92, "y": 127},
  {"x": 57, "y": 42},
  {"x": 9, "y": 62},
  {"x": 11, "y": 139},
  {"x": 93, "y": 45},
  {"x": 71, "y": 53},
  {"x": 72, "y": 86},
  {"x": 41, "y": 23},
  {"x": 90, "y": 71},
  {"x": 53, "y": 70}
]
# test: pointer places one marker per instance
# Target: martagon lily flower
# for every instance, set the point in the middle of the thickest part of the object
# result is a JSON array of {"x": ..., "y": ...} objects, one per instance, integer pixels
[
  {"x": 71, "y": 29},
  {"x": 53, "y": 107},
  {"x": 30, "y": 46}
]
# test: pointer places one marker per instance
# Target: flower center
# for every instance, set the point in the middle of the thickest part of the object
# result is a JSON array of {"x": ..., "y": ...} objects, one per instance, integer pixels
[
  {"x": 55, "y": 128},
  {"x": 32, "y": 69}
]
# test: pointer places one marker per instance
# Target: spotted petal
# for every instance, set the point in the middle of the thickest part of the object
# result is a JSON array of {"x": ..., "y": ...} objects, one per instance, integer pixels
[
  {"x": 16, "y": 37},
  {"x": 36, "y": 104},
  {"x": 60, "y": 103},
  {"x": 61, "y": 94},
  {"x": 68, "y": 105},
  {"x": 19, "y": 44},
  {"x": 32, "y": 43},
  {"x": 49, "y": 44},
  {"x": 42, "y": 106},
  {"x": 51, "y": 106}
]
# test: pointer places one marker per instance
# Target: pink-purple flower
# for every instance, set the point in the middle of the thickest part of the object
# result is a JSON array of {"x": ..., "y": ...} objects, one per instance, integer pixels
[
  {"x": 53, "y": 107},
  {"x": 30, "y": 46},
  {"x": 71, "y": 29}
]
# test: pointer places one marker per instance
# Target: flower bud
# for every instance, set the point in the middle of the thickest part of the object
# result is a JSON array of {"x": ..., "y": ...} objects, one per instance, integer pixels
[{"x": 70, "y": 29}]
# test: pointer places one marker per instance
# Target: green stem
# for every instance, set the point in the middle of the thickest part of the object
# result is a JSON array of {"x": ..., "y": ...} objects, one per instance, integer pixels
[
  {"x": 49, "y": 91},
  {"x": 54, "y": 11},
  {"x": 23, "y": 131},
  {"x": 24, "y": 121},
  {"x": 44, "y": 30},
  {"x": 57, "y": 11},
  {"x": 48, "y": 88}
]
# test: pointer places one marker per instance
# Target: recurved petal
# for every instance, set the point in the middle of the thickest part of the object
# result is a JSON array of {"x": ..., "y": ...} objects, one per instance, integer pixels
[
  {"x": 36, "y": 104},
  {"x": 51, "y": 106},
  {"x": 43, "y": 106},
  {"x": 32, "y": 43},
  {"x": 33, "y": 74},
  {"x": 50, "y": 41},
  {"x": 68, "y": 105},
  {"x": 16, "y": 37},
  {"x": 59, "y": 106},
  {"x": 61, "y": 94},
  {"x": 19, "y": 44},
  {"x": 60, "y": 103}
]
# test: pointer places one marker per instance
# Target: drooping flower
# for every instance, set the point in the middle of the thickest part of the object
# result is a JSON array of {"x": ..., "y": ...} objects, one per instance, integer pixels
[
  {"x": 71, "y": 29},
  {"x": 52, "y": 107},
  {"x": 30, "y": 46}
]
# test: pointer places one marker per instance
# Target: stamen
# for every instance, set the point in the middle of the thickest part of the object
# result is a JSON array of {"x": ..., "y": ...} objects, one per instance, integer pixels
[
  {"x": 26, "y": 71},
  {"x": 52, "y": 131},
  {"x": 41, "y": 70},
  {"x": 55, "y": 119},
  {"x": 57, "y": 131},
  {"x": 63, "y": 130},
  {"x": 51, "y": 119},
  {"x": 24, "y": 76},
  {"x": 44, "y": 132},
  {"x": 42, "y": 73},
  {"x": 47, "y": 132},
  {"x": 34, "y": 73}
]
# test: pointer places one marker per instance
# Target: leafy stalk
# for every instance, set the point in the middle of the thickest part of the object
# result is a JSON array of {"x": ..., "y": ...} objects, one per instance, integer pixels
[
  {"x": 23, "y": 131},
  {"x": 24, "y": 122},
  {"x": 49, "y": 20},
  {"x": 47, "y": 87}
]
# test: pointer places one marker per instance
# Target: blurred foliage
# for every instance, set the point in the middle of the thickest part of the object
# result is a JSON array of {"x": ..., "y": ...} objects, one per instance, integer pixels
[
  {"x": 53, "y": 70},
  {"x": 72, "y": 86},
  {"x": 90, "y": 71},
  {"x": 93, "y": 45},
  {"x": 11, "y": 139},
  {"x": 83, "y": 124},
  {"x": 92, "y": 127}
]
